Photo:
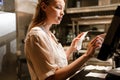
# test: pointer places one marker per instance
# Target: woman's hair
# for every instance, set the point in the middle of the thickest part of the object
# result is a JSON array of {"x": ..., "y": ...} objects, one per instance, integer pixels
[{"x": 39, "y": 16}]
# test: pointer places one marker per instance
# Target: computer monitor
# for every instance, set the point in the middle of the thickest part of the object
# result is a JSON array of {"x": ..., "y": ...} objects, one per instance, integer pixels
[{"x": 112, "y": 38}]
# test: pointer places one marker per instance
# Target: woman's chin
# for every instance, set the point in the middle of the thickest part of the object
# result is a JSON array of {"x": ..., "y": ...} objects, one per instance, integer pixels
[{"x": 58, "y": 22}]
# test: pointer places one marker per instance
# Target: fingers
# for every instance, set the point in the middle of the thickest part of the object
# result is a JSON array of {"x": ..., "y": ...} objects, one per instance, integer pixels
[
  {"x": 102, "y": 35},
  {"x": 97, "y": 38},
  {"x": 96, "y": 42},
  {"x": 80, "y": 35}
]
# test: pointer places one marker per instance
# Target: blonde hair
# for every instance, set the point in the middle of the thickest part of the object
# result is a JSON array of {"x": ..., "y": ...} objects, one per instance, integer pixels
[{"x": 39, "y": 16}]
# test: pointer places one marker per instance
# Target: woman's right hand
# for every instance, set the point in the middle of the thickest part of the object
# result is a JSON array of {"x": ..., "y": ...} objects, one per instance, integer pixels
[{"x": 96, "y": 43}]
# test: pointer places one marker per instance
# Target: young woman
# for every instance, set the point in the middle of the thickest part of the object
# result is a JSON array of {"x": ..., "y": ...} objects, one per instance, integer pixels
[{"x": 46, "y": 58}]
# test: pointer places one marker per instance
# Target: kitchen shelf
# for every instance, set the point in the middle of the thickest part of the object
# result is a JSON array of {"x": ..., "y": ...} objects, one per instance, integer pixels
[
  {"x": 90, "y": 20},
  {"x": 92, "y": 9}
]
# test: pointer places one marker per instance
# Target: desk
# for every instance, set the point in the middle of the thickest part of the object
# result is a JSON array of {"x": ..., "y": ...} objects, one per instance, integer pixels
[{"x": 81, "y": 76}]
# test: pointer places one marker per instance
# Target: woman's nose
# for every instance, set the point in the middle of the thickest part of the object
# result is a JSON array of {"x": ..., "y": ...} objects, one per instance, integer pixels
[{"x": 62, "y": 12}]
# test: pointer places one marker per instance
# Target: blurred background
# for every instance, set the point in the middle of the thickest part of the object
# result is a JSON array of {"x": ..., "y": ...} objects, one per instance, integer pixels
[{"x": 80, "y": 15}]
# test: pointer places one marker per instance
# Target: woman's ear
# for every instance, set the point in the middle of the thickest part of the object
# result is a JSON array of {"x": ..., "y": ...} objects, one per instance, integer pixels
[{"x": 43, "y": 6}]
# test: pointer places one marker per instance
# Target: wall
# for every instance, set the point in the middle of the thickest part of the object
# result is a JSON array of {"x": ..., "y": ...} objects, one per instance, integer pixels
[
  {"x": 7, "y": 40},
  {"x": 7, "y": 36},
  {"x": 24, "y": 13},
  {"x": 15, "y": 16},
  {"x": 9, "y": 5}
]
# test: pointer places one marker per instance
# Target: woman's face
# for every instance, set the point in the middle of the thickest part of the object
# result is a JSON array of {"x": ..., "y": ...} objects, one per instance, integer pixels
[{"x": 55, "y": 11}]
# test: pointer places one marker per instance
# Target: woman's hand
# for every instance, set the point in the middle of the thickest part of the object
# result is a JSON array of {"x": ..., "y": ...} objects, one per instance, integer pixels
[
  {"x": 96, "y": 43},
  {"x": 73, "y": 47},
  {"x": 75, "y": 41}
]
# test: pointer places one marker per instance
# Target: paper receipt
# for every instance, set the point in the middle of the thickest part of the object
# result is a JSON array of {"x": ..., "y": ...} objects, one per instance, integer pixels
[{"x": 79, "y": 44}]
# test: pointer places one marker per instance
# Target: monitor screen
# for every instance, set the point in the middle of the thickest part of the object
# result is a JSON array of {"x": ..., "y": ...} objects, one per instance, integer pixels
[{"x": 111, "y": 41}]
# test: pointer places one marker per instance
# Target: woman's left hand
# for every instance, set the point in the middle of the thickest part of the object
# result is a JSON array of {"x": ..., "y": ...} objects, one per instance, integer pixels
[{"x": 75, "y": 41}]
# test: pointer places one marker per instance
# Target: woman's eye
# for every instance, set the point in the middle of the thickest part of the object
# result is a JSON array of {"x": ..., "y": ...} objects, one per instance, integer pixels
[{"x": 58, "y": 7}]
